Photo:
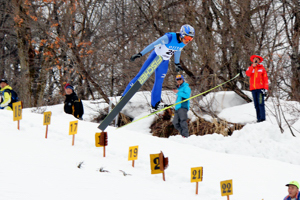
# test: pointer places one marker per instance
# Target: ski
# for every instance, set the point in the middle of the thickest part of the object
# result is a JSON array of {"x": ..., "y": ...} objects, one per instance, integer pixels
[
  {"x": 165, "y": 108},
  {"x": 135, "y": 87}
]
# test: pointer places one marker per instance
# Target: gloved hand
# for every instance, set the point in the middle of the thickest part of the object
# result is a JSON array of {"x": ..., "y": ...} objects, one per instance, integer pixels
[
  {"x": 138, "y": 55},
  {"x": 178, "y": 67},
  {"x": 241, "y": 73},
  {"x": 264, "y": 91}
]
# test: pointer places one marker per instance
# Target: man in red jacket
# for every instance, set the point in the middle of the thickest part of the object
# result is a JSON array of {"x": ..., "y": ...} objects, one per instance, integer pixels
[{"x": 259, "y": 85}]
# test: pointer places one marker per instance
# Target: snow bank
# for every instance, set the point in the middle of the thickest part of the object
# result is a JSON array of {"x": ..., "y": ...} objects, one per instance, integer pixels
[{"x": 217, "y": 101}]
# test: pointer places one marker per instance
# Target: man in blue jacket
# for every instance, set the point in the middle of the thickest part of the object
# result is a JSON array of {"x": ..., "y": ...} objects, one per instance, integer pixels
[
  {"x": 167, "y": 45},
  {"x": 293, "y": 190},
  {"x": 183, "y": 92}
]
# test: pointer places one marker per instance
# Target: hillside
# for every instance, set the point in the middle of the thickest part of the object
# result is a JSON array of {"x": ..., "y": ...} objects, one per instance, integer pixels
[{"x": 259, "y": 159}]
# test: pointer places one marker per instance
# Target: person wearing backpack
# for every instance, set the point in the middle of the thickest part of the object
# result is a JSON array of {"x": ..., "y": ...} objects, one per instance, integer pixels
[
  {"x": 73, "y": 105},
  {"x": 5, "y": 95}
]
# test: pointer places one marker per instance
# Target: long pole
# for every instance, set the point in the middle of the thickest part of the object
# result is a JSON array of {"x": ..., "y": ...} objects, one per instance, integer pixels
[
  {"x": 46, "y": 131},
  {"x": 103, "y": 151},
  {"x": 73, "y": 141}
]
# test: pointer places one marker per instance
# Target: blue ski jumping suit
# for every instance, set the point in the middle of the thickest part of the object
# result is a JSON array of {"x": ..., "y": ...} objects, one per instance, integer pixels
[{"x": 165, "y": 47}]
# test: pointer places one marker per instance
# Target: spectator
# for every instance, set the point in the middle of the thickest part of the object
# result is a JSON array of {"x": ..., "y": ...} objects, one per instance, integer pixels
[
  {"x": 293, "y": 190},
  {"x": 73, "y": 104},
  {"x": 258, "y": 85},
  {"x": 5, "y": 95},
  {"x": 183, "y": 92}
]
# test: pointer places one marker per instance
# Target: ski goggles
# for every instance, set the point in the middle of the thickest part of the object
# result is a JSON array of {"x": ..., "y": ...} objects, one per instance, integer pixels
[{"x": 188, "y": 38}]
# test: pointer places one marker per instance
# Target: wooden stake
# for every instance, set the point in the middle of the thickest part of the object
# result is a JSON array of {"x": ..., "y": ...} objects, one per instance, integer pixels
[
  {"x": 227, "y": 197},
  {"x": 103, "y": 151},
  {"x": 164, "y": 176},
  {"x": 18, "y": 124},
  {"x": 196, "y": 187},
  {"x": 132, "y": 163},
  {"x": 46, "y": 135},
  {"x": 73, "y": 140}
]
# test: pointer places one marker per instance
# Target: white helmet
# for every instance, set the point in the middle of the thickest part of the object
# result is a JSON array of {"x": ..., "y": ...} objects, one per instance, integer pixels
[{"x": 187, "y": 30}]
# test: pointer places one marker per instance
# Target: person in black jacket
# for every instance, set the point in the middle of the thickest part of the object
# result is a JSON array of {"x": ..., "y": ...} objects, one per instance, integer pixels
[{"x": 73, "y": 105}]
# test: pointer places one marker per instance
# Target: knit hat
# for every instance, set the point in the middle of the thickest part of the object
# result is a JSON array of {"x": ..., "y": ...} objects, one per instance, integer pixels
[
  {"x": 256, "y": 56},
  {"x": 179, "y": 77},
  {"x": 69, "y": 86},
  {"x": 3, "y": 80},
  {"x": 295, "y": 183}
]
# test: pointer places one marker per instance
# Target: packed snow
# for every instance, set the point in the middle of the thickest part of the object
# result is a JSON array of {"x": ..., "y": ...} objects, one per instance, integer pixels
[{"x": 260, "y": 158}]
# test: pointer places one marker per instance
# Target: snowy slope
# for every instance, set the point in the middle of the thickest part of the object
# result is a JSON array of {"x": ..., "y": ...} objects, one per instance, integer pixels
[{"x": 259, "y": 159}]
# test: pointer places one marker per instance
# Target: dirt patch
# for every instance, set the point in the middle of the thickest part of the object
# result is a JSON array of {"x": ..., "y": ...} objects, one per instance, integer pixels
[
  {"x": 163, "y": 127},
  {"x": 122, "y": 119}
]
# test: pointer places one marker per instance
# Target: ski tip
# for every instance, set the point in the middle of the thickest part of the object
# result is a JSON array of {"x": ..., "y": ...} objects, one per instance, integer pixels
[{"x": 101, "y": 128}]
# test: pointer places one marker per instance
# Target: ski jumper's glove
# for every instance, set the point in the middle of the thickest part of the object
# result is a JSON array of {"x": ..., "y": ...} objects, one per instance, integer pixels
[
  {"x": 264, "y": 91},
  {"x": 178, "y": 67},
  {"x": 241, "y": 73},
  {"x": 138, "y": 55}
]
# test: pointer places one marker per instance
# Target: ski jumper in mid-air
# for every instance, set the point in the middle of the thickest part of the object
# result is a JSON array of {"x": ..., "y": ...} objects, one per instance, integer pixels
[{"x": 167, "y": 45}]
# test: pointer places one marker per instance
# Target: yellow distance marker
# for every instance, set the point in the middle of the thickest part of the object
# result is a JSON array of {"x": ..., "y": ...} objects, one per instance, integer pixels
[
  {"x": 97, "y": 140},
  {"x": 226, "y": 188},
  {"x": 196, "y": 176},
  {"x": 47, "y": 118},
  {"x": 133, "y": 154},
  {"x": 155, "y": 167},
  {"x": 101, "y": 141},
  {"x": 73, "y": 127},
  {"x": 17, "y": 112},
  {"x": 73, "y": 130},
  {"x": 46, "y": 121}
]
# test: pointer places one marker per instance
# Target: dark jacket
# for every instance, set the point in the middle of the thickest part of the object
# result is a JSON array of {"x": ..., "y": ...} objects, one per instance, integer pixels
[{"x": 73, "y": 105}]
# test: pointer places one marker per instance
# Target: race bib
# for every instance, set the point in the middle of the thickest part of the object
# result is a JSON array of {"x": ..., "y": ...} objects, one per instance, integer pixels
[{"x": 164, "y": 52}]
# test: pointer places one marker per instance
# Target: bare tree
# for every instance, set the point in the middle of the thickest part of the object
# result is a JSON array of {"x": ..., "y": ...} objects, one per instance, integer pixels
[{"x": 291, "y": 18}]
